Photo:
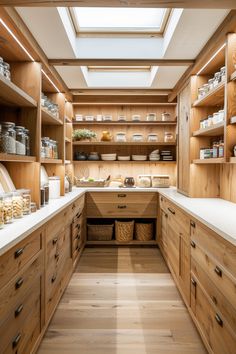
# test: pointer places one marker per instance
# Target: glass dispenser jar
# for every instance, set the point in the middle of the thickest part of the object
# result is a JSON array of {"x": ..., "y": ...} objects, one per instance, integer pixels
[
  {"x": 17, "y": 205},
  {"x": 8, "y": 138},
  {"x": 7, "y": 208},
  {"x": 20, "y": 140}
]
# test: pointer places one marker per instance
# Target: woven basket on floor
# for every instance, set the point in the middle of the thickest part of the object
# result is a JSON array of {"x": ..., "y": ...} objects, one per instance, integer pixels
[
  {"x": 143, "y": 232},
  {"x": 124, "y": 231},
  {"x": 100, "y": 232}
]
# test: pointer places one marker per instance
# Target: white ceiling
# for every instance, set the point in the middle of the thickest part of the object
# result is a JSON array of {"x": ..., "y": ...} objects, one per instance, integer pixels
[{"x": 187, "y": 33}]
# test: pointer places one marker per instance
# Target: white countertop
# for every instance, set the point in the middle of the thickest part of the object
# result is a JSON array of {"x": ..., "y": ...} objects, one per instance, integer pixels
[{"x": 218, "y": 214}]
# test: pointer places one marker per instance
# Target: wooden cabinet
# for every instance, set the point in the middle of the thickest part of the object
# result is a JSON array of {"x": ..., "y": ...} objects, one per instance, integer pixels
[{"x": 78, "y": 231}]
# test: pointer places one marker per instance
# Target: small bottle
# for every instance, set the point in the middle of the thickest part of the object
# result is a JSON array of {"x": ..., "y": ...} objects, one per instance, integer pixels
[{"x": 221, "y": 149}]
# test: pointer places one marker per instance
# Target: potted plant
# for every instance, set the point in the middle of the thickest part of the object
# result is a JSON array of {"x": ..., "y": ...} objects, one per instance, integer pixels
[{"x": 83, "y": 134}]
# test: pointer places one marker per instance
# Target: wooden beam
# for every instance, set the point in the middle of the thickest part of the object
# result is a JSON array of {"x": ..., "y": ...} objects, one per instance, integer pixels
[
  {"x": 120, "y": 62},
  {"x": 198, "y": 4},
  {"x": 121, "y": 99},
  {"x": 120, "y": 92}
]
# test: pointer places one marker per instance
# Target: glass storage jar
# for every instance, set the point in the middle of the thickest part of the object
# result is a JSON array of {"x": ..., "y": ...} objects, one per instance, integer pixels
[
  {"x": 144, "y": 181},
  {"x": 152, "y": 137},
  {"x": 1, "y": 212},
  {"x": 216, "y": 118},
  {"x": 121, "y": 137},
  {"x": 151, "y": 117},
  {"x": 168, "y": 137},
  {"x": 20, "y": 140},
  {"x": 17, "y": 205},
  {"x": 217, "y": 78},
  {"x": 27, "y": 142},
  {"x": 160, "y": 181},
  {"x": 33, "y": 207},
  {"x": 221, "y": 149},
  {"x": 7, "y": 72},
  {"x": 215, "y": 149},
  {"x": 223, "y": 73},
  {"x": 26, "y": 195},
  {"x": 201, "y": 92},
  {"x": 7, "y": 208},
  {"x": 8, "y": 138},
  {"x": 211, "y": 84},
  {"x": 166, "y": 117},
  {"x": 221, "y": 115},
  {"x": 1, "y": 67},
  {"x": 137, "y": 137}
]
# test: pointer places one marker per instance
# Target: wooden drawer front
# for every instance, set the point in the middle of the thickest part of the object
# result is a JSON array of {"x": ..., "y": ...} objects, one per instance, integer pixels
[
  {"x": 220, "y": 277},
  {"x": 214, "y": 245},
  {"x": 179, "y": 221},
  {"x": 77, "y": 207},
  {"x": 12, "y": 326},
  {"x": 15, "y": 259},
  {"x": 121, "y": 197},
  {"x": 16, "y": 289},
  {"x": 25, "y": 337},
  {"x": 173, "y": 250},
  {"x": 57, "y": 224},
  {"x": 222, "y": 304},
  {"x": 163, "y": 203},
  {"x": 184, "y": 268},
  {"x": 163, "y": 243},
  {"x": 57, "y": 246},
  {"x": 215, "y": 331}
]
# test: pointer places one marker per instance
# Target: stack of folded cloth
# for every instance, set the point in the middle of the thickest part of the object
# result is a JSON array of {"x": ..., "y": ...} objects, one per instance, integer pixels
[{"x": 166, "y": 155}]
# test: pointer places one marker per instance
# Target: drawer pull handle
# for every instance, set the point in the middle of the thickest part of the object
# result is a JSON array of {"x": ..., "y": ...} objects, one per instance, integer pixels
[
  {"x": 172, "y": 211},
  {"x": 18, "y": 310},
  {"x": 121, "y": 195},
  {"x": 218, "y": 271},
  {"x": 19, "y": 282},
  {"x": 19, "y": 252},
  {"x": 57, "y": 256},
  {"x": 193, "y": 282},
  {"x": 193, "y": 244},
  {"x": 122, "y": 206},
  {"x": 54, "y": 241},
  {"x": 218, "y": 320},
  {"x": 16, "y": 340},
  {"x": 192, "y": 223},
  {"x": 161, "y": 199},
  {"x": 78, "y": 237},
  {"x": 166, "y": 215},
  {"x": 78, "y": 215},
  {"x": 77, "y": 248},
  {"x": 78, "y": 226},
  {"x": 53, "y": 278}
]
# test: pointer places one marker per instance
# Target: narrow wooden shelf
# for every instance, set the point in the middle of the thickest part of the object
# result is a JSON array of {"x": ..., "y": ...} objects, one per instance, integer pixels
[
  {"x": 16, "y": 158},
  {"x": 10, "y": 94},
  {"x": 210, "y": 161},
  {"x": 114, "y": 242},
  {"x": 130, "y": 123},
  {"x": 52, "y": 161},
  {"x": 123, "y": 104},
  {"x": 232, "y": 159},
  {"x": 233, "y": 76},
  {"x": 214, "y": 98},
  {"x": 48, "y": 118},
  {"x": 128, "y": 143},
  {"x": 215, "y": 130},
  {"x": 125, "y": 162},
  {"x": 67, "y": 140}
]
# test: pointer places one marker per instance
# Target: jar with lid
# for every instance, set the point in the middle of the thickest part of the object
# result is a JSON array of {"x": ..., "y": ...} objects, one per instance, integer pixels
[
  {"x": 210, "y": 121},
  {"x": 223, "y": 73},
  {"x": 202, "y": 124},
  {"x": 8, "y": 138},
  {"x": 1, "y": 212},
  {"x": 1, "y": 67},
  {"x": 26, "y": 195},
  {"x": 7, "y": 208},
  {"x": 215, "y": 149},
  {"x": 33, "y": 207},
  {"x": 67, "y": 185},
  {"x": 27, "y": 142},
  {"x": 166, "y": 117},
  {"x": 221, "y": 148},
  {"x": 151, "y": 117},
  {"x": 17, "y": 204},
  {"x": 7, "y": 72},
  {"x": 20, "y": 140},
  {"x": 216, "y": 118},
  {"x": 137, "y": 137},
  {"x": 221, "y": 115},
  {"x": 205, "y": 88},
  {"x": 121, "y": 137},
  {"x": 46, "y": 191},
  {"x": 161, "y": 181},
  {"x": 42, "y": 196},
  {"x": 152, "y": 137},
  {"x": 168, "y": 137},
  {"x": 201, "y": 92},
  {"x": 211, "y": 84},
  {"x": 45, "y": 147},
  {"x": 217, "y": 78},
  {"x": 144, "y": 181}
]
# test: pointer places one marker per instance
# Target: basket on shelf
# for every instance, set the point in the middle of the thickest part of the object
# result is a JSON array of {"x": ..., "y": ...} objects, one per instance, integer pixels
[
  {"x": 84, "y": 183},
  {"x": 144, "y": 232},
  {"x": 100, "y": 232},
  {"x": 124, "y": 231}
]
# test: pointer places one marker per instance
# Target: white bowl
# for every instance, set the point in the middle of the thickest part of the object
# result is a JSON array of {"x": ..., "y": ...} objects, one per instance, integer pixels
[
  {"x": 123, "y": 158},
  {"x": 139, "y": 157}
]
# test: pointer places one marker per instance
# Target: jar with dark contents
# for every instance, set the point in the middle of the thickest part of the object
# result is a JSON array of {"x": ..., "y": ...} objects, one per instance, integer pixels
[
  {"x": 46, "y": 193},
  {"x": 42, "y": 196},
  {"x": 8, "y": 138},
  {"x": 27, "y": 142}
]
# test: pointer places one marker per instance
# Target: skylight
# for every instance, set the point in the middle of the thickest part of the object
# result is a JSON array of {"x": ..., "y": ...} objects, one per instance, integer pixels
[
  {"x": 119, "y": 68},
  {"x": 103, "y": 19}
]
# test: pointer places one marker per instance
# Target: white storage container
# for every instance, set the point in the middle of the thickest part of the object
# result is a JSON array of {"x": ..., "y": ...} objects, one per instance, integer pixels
[{"x": 54, "y": 187}]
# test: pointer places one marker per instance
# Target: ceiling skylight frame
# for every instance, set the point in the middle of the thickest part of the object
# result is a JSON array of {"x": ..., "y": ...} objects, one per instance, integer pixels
[
  {"x": 119, "y": 30},
  {"x": 119, "y": 68}
]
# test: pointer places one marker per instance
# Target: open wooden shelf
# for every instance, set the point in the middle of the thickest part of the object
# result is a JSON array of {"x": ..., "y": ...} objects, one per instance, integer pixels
[
  {"x": 233, "y": 76},
  {"x": 125, "y": 162},
  {"x": 128, "y": 143},
  {"x": 114, "y": 242},
  {"x": 48, "y": 118},
  {"x": 214, "y": 98},
  {"x": 124, "y": 104},
  {"x": 215, "y": 130},
  {"x": 10, "y": 94},
  {"x": 16, "y": 158},
  {"x": 141, "y": 123},
  {"x": 209, "y": 161},
  {"x": 52, "y": 161}
]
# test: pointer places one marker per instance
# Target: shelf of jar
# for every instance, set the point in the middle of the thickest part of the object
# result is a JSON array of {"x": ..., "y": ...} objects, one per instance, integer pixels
[
  {"x": 214, "y": 130},
  {"x": 52, "y": 161},
  {"x": 48, "y": 118},
  {"x": 213, "y": 98},
  {"x": 155, "y": 123},
  {"x": 125, "y": 162},
  {"x": 16, "y": 158},
  {"x": 12, "y": 95},
  {"x": 124, "y": 104},
  {"x": 114, "y": 242},
  {"x": 210, "y": 161},
  {"x": 233, "y": 76},
  {"x": 67, "y": 140},
  {"x": 128, "y": 143}
]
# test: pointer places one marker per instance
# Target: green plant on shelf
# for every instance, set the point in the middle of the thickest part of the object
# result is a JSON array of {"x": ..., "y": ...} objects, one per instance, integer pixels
[{"x": 83, "y": 134}]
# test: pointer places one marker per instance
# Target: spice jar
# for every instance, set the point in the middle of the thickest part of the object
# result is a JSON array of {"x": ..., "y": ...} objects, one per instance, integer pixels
[
  {"x": 26, "y": 195},
  {"x": 20, "y": 140},
  {"x": 42, "y": 196},
  {"x": 7, "y": 208},
  {"x": 27, "y": 142},
  {"x": 17, "y": 205},
  {"x": 221, "y": 149},
  {"x": 7, "y": 72},
  {"x": 215, "y": 149},
  {"x": 46, "y": 190},
  {"x": 33, "y": 207},
  {"x": 8, "y": 138},
  {"x": 168, "y": 137},
  {"x": 1, "y": 212}
]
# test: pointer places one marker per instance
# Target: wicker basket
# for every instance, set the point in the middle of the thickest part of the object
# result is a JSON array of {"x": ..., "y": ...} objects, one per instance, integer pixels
[
  {"x": 81, "y": 183},
  {"x": 143, "y": 232},
  {"x": 124, "y": 231},
  {"x": 100, "y": 232}
]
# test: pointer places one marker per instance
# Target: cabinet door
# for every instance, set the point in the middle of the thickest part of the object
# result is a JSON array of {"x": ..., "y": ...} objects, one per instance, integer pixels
[
  {"x": 173, "y": 247},
  {"x": 184, "y": 100},
  {"x": 184, "y": 268},
  {"x": 163, "y": 234}
]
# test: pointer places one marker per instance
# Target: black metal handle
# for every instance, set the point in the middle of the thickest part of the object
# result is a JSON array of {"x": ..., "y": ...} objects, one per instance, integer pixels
[
  {"x": 19, "y": 282},
  {"x": 73, "y": 206},
  {"x": 57, "y": 256},
  {"x": 192, "y": 223},
  {"x": 122, "y": 195},
  {"x": 194, "y": 283},
  {"x": 193, "y": 244},
  {"x": 18, "y": 310},
  {"x": 219, "y": 320},
  {"x": 166, "y": 215},
  {"x": 218, "y": 271},
  {"x": 78, "y": 215},
  {"x": 161, "y": 199},
  {"x": 78, "y": 236},
  {"x": 54, "y": 241},
  {"x": 78, "y": 226},
  {"x": 77, "y": 248},
  {"x": 53, "y": 278},
  {"x": 122, "y": 207},
  {"x": 172, "y": 211},
  {"x": 16, "y": 340},
  {"x": 19, "y": 252},
  {"x": 214, "y": 299}
]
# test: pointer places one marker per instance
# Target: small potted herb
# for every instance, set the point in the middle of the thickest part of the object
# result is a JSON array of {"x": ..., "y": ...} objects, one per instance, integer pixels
[{"x": 83, "y": 134}]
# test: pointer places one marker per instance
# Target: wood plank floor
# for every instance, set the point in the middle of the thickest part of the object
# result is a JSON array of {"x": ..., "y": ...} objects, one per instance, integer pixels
[{"x": 121, "y": 301}]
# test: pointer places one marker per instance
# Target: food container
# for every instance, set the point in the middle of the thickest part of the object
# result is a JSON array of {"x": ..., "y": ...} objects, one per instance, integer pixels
[
  {"x": 151, "y": 117},
  {"x": 89, "y": 118},
  {"x": 54, "y": 187},
  {"x": 129, "y": 182},
  {"x": 7, "y": 72},
  {"x": 166, "y": 117},
  {"x": 67, "y": 185},
  {"x": 79, "y": 117},
  {"x": 161, "y": 181},
  {"x": 223, "y": 73},
  {"x": 136, "y": 117},
  {"x": 121, "y": 137},
  {"x": 107, "y": 118},
  {"x": 17, "y": 205},
  {"x": 26, "y": 195},
  {"x": 137, "y": 137},
  {"x": 7, "y": 208},
  {"x": 217, "y": 78},
  {"x": 211, "y": 84},
  {"x": 121, "y": 118},
  {"x": 201, "y": 92},
  {"x": 1, "y": 209},
  {"x": 33, "y": 207},
  {"x": 99, "y": 117},
  {"x": 93, "y": 156},
  {"x": 27, "y": 142},
  {"x": 42, "y": 196},
  {"x": 152, "y": 137},
  {"x": 168, "y": 137},
  {"x": 144, "y": 181},
  {"x": 210, "y": 121},
  {"x": 8, "y": 138},
  {"x": 46, "y": 190},
  {"x": 221, "y": 115},
  {"x": 20, "y": 140}
]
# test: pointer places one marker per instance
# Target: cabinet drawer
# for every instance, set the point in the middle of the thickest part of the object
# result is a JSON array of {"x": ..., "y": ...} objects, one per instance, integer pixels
[
  {"x": 215, "y": 331},
  {"x": 222, "y": 304},
  {"x": 15, "y": 259},
  {"x": 173, "y": 250},
  {"x": 179, "y": 221},
  {"x": 16, "y": 289},
  {"x": 126, "y": 210},
  {"x": 15, "y": 321},
  {"x": 77, "y": 206},
  {"x": 220, "y": 277},
  {"x": 221, "y": 250},
  {"x": 121, "y": 197},
  {"x": 57, "y": 246},
  {"x": 57, "y": 224},
  {"x": 163, "y": 203}
]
